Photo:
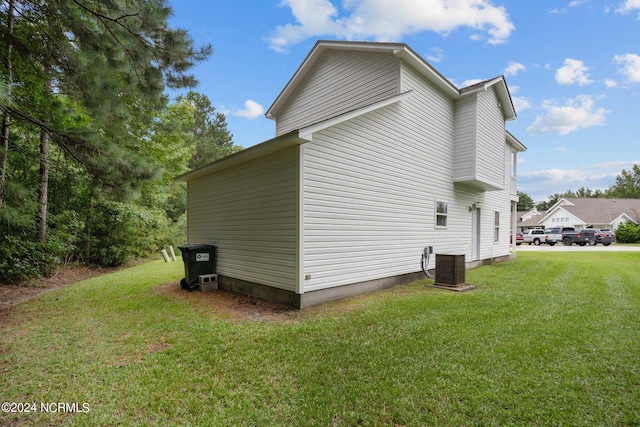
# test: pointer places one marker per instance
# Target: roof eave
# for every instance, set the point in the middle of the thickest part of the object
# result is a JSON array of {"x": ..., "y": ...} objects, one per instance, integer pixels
[
  {"x": 267, "y": 147},
  {"x": 506, "y": 103},
  {"x": 515, "y": 143},
  {"x": 412, "y": 58}
]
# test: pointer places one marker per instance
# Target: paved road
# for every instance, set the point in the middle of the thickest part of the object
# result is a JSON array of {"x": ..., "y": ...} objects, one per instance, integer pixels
[{"x": 559, "y": 247}]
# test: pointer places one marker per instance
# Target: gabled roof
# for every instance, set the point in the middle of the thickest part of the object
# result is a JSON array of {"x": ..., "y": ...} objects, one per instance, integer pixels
[
  {"x": 598, "y": 211},
  {"x": 402, "y": 51},
  {"x": 500, "y": 85},
  {"x": 532, "y": 220}
]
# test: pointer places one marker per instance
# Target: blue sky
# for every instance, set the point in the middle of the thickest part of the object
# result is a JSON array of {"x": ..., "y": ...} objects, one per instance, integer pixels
[{"x": 573, "y": 68}]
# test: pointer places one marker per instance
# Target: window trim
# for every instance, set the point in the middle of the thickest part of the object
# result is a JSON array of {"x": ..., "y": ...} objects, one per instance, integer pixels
[{"x": 496, "y": 226}]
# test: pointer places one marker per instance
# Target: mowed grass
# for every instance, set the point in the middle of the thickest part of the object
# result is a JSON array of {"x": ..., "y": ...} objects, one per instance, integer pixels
[{"x": 548, "y": 339}]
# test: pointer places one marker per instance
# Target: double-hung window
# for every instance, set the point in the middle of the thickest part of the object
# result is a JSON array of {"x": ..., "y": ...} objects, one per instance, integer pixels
[{"x": 441, "y": 214}]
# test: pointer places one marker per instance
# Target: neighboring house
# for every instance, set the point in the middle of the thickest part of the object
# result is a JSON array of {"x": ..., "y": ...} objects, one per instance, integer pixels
[
  {"x": 376, "y": 157},
  {"x": 530, "y": 219},
  {"x": 583, "y": 213}
]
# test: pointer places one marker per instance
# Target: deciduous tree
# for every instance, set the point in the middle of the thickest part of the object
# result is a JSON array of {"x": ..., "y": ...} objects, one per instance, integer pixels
[{"x": 627, "y": 184}]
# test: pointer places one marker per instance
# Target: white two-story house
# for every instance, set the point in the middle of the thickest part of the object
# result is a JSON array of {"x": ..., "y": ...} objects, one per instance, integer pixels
[{"x": 376, "y": 157}]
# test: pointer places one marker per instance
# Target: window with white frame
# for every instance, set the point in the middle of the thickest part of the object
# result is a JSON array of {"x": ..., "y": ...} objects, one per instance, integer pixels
[
  {"x": 496, "y": 226},
  {"x": 441, "y": 214}
]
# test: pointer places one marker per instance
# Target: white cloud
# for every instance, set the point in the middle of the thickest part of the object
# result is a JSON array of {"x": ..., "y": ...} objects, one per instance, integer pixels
[
  {"x": 470, "y": 82},
  {"x": 252, "y": 110},
  {"x": 436, "y": 55},
  {"x": 540, "y": 184},
  {"x": 386, "y": 20},
  {"x": 575, "y": 3},
  {"x": 555, "y": 175},
  {"x": 573, "y": 72},
  {"x": 628, "y": 6},
  {"x": 624, "y": 164},
  {"x": 521, "y": 103},
  {"x": 630, "y": 65},
  {"x": 610, "y": 83},
  {"x": 577, "y": 113},
  {"x": 513, "y": 68}
]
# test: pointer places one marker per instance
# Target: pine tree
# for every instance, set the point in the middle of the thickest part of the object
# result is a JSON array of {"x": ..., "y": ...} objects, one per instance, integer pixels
[
  {"x": 211, "y": 137},
  {"x": 89, "y": 69}
]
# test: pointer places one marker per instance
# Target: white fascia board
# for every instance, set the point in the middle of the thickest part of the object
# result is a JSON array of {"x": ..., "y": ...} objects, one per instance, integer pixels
[
  {"x": 307, "y": 132},
  {"x": 560, "y": 202},
  {"x": 503, "y": 95},
  {"x": 513, "y": 141},
  {"x": 625, "y": 217},
  {"x": 413, "y": 59},
  {"x": 550, "y": 212}
]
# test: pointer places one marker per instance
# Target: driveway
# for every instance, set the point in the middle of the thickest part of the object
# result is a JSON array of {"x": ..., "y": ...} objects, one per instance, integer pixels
[{"x": 559, "y": 247}]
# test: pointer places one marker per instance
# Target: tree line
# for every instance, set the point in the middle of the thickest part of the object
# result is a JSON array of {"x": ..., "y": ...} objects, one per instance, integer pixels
[{"x": 90, "y": 141}]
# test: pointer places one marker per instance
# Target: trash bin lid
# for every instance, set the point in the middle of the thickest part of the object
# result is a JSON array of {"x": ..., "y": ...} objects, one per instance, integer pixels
[{"x": 196, "y": 247}]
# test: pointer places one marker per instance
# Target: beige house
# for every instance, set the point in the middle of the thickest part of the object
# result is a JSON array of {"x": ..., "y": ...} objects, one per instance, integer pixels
[{"x": 376, "y": 157}]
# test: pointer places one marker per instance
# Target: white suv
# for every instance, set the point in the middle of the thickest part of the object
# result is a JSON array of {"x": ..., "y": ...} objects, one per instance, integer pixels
[{"x": 534, "y": 235}]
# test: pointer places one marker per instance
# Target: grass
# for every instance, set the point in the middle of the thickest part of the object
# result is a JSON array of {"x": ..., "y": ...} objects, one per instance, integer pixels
[{"x": 548, "y": 339}]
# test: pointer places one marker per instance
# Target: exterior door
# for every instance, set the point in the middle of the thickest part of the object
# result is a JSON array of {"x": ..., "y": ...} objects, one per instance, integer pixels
[{"x": 475, "y": 234}]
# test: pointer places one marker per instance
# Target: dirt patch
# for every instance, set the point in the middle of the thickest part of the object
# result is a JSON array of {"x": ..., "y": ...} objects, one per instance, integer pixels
[
  {"x": 225, "y": 304},
  {"x": 222, "y": 304},
  {"x": 12, "y": 295}
]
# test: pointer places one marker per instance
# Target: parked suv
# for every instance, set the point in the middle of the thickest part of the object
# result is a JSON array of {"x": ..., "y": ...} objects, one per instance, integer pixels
[
  {"x": 591, "y": 234},
  {"x": 535, "y": 236},
  {"x": 606, "y": 237}
]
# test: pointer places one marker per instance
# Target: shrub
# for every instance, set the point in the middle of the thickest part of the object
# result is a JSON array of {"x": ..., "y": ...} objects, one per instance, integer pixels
[
  {"x": 65, "y": 232},
  {"x": 122, "y": 232},
  {"x": 628, "y": 233},
  {"x": 23, "y": 258}
]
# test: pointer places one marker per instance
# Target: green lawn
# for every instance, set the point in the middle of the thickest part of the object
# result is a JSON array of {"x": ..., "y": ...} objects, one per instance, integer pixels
[{"x": 549, "y": 339}]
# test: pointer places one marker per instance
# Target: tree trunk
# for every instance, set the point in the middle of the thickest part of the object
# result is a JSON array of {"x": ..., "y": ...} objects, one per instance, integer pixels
[
  {"x": 87, "y": 247},
  {"x": 6, "y": 122},
  {"x": 43, "y": 195},
  {"x": 5, "y": 155}
]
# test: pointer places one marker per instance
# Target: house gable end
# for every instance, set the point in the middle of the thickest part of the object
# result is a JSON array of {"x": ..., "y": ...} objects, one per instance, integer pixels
[{"x": 339, "y": 81}]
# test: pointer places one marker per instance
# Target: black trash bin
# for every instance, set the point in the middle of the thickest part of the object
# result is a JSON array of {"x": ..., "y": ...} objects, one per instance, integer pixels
[{"x": 198, "y": 259}]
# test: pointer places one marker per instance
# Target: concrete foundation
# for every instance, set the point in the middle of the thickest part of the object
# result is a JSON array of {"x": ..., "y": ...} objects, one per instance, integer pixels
[{"x": 310, "y": 299}]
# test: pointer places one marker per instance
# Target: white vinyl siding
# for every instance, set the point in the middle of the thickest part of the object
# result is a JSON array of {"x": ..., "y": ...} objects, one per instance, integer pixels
[
  {"x": 363, "y": 217},
  {"x": 479, "y": 141},
  {"x": 250, "y": 213},
  {"x": 340, "y": 81},
  {"x": 465, "y": 139},
  {"x": 370, "y": 190},
  {"x": 491, "y": 140}
]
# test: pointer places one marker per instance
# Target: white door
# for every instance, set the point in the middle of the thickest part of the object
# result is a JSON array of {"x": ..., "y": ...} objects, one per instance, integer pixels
[{"x": 475, "y": 234}]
